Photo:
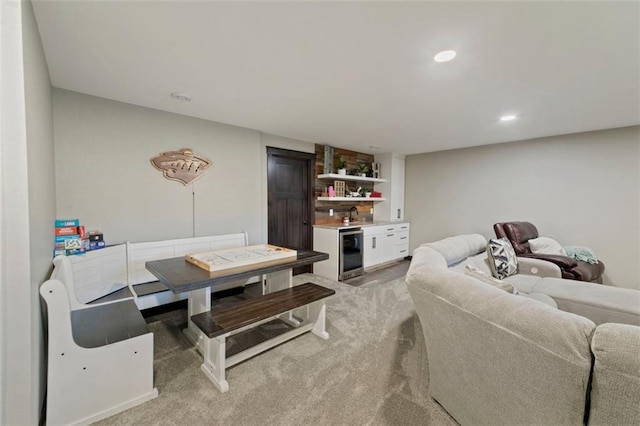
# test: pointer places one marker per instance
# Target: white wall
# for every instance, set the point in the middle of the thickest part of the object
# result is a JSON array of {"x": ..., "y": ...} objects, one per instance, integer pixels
[
  {"x": 105, "y": 179},
  {"x": 26, "y": 211},
  {"x": 42, "y": 194},
  {"x": 583, "y": 189}
]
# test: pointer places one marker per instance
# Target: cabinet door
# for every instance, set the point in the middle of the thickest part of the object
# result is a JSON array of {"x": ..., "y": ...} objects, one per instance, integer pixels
[
  {"x": 372, "y": 254},
  {"x": 388, "y": 244}
]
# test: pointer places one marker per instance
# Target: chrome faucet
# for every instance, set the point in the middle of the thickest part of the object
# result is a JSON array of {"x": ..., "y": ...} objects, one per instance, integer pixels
[{"x": 351, "y": 210}]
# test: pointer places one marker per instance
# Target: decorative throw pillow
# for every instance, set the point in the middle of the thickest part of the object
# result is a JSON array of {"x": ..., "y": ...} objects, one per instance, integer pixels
[
  {"x": 546, "y": 245},
  {"x": 502, "y": 258},
  {"x": 474, "y": 272}
]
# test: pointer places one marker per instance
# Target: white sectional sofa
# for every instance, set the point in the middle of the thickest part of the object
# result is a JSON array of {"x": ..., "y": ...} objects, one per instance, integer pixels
[{"x": 500, "y": 358}]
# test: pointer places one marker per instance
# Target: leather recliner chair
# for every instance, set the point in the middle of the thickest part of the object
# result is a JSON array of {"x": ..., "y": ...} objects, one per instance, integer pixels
[{"x": 519, "y": 233}]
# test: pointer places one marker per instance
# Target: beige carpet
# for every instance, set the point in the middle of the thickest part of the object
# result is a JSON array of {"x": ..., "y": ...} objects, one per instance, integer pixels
[{"x": 371, "y": 371}]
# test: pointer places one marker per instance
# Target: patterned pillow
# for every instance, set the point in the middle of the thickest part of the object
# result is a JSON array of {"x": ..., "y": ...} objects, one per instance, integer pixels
[{"x": 502, "y": 258}]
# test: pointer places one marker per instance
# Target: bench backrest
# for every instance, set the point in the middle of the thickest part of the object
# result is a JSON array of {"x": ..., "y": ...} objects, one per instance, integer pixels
[
  {"x": 98, "y": 273},
  {"x": 92, "y": 275},
  {"x": 139, "y": 253}
]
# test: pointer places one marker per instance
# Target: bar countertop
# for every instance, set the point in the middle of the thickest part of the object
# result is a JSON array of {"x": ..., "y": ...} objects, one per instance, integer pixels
[{"x": 358, "y": 224}]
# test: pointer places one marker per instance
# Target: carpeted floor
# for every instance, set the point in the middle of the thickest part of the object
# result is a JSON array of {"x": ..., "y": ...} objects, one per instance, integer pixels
[{"x": 371, "y": 371}]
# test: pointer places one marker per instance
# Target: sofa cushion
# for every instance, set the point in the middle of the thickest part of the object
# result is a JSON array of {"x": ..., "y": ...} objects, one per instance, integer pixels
[
  {"x": 615, "y": 391},
  {"x": 546, "y": 245},
  {"x": 523, "y": 283},
  {"x": 478, "y": 274},
  {"x": 597, "y": 302},
  {"x": 458, "y": 248},
  {"x": 543, "y": 298},
  {"x": 502, "y": 258}
]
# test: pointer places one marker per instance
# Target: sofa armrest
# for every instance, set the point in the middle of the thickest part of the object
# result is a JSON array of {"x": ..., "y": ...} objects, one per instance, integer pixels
[
  {"x": 615, "y": 391},
  {"x": 563, "y": 262},
  {"x": 538, "y": 267}
]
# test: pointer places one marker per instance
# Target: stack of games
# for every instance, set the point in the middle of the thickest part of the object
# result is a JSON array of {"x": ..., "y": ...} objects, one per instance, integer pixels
[
  {"x": 68, "y": 237},
  {"x": 71, "y": 238}
]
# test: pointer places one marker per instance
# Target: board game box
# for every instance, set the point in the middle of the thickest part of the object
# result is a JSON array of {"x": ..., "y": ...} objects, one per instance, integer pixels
[{"x": 256, "y": 255}]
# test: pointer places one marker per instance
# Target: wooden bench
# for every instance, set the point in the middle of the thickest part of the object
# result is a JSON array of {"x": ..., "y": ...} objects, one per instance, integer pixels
[
  {"x": 218, "y": 324},
  {"x": 99, "y": 358}
]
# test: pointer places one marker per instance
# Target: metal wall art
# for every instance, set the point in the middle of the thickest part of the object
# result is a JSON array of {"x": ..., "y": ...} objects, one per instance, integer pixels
[{"x": 183, "y": 165}]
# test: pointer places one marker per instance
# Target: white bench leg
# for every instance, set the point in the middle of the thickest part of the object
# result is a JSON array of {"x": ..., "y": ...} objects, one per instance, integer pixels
[
  {"x": 317, "y": 312},
  {"x": 214, "y": 361}
]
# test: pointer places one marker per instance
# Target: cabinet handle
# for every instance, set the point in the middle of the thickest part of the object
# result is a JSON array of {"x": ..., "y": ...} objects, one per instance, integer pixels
[
  {"x": 398, "y": 213},
  {"x": 403, "y": 238},
  {"x": 389, "y": 235},
  {"x": 374, "y": 242}
]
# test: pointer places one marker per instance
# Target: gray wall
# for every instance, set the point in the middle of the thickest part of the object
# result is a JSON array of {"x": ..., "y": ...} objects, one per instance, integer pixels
[
  {"x": 41, "y": 172},
  {"x": 105, "y": 179},
  {"x": 582, "y": 189},
  {"x": 28, "y": 211}
]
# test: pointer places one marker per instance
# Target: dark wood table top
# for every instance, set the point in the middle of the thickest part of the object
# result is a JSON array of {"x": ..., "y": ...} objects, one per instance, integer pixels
[{"x": 181, "y": 276}]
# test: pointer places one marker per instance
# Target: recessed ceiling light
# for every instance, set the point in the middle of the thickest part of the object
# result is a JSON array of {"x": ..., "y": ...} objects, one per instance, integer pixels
[
  {"x": 445, "y": 55},
  {"x": 374, "y": 147},
  {"x": 181, "y": 96},
  {"x": 509, "y": 117}
]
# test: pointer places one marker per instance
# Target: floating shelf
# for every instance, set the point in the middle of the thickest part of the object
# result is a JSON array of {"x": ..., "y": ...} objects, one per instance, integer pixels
[
  {"x": 350, "y": 199},
  {"x": 350, "y": 177}
]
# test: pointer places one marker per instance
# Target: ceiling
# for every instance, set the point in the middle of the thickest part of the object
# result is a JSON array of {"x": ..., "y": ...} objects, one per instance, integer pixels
[{"x": 358, "y": 75}]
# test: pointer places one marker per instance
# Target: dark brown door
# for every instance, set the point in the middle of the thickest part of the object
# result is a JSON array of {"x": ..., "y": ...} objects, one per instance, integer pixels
[{"x": 290, "y": 199}]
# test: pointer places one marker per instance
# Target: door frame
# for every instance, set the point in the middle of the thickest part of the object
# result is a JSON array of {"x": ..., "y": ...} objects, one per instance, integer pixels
[{"x": 311, "y": 160}]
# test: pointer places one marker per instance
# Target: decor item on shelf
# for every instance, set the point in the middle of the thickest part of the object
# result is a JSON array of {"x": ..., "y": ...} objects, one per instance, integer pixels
[
  {"x": 375, "y": 170},
  {"x": 339, "y": 186},
  {"x": 328, "y": 159},
  {"x": 354, "y": 171},
  {"x": 182, "y": 166},
  {"x": 364, "y": 169},
  {"x": 332, "y": 192},
  {"x": 341, "y": 164},
  {"x": 375, "y": 194}
]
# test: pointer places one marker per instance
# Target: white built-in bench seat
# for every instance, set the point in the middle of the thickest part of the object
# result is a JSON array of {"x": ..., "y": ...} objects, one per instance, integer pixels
[
  {"x": 99, "y": 357},
  {"x": 108, "y": 323},
  {"x": 118, "y": 272}
]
